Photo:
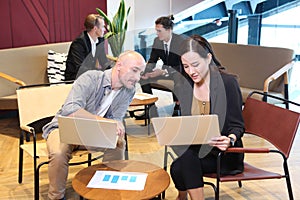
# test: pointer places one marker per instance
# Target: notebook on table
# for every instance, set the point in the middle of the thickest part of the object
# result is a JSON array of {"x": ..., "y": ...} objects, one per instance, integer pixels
[
  {"x": 186, "y": 130},
  {"x": 87, "y": 132}
]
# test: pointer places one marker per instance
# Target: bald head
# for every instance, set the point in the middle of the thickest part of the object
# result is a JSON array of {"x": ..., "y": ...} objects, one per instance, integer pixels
[
  {"x": 131, "y": 55},
  {"x": 128, "y": 69}
]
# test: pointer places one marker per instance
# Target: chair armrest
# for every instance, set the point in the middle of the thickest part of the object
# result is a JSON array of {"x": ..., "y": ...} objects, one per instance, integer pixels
[
  {"x": 277, "y": 74},
  {"x": 12, "y": 79},
  {"x": 27, "y": 128},
  {"x": 247, "y": 150}
]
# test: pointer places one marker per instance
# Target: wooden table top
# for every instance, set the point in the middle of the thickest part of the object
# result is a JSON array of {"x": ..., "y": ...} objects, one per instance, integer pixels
[
  {"x": 157, "y": 181},
  {"x": 146, "y": 100}
]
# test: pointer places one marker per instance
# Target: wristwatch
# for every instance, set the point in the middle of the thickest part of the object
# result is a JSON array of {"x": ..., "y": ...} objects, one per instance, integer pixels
[{"x": 231, "y": 141}]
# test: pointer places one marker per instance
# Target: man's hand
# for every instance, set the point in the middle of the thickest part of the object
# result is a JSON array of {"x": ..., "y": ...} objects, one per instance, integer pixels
[
  {"x": 120, "y": 126},
  {"x": 120, "y": 129},
  {"x": 153, "y": 74},
  {"x": 156, "y": 73},
  {"x": 145, "y": 76}
]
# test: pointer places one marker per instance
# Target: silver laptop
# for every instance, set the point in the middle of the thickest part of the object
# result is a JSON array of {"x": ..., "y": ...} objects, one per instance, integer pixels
[
  {"x": 186, "y": 130},
  {"x": 87, "y": 132}
]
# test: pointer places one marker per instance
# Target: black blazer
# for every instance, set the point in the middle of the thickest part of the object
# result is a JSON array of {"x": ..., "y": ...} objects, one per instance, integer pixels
[
  {"x": 226, "y": 102},
  {"x": 80, "y": 58},
  {"x": 172, "y": 61}
]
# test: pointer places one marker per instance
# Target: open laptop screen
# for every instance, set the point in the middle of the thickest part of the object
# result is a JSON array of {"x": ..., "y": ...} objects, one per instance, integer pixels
[
  {"x": 87, "y": 132},
  {"x": 186, "y": 130}
]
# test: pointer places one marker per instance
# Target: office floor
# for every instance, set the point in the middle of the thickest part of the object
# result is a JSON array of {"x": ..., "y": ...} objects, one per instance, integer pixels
[{"x": 145, "y": 148}]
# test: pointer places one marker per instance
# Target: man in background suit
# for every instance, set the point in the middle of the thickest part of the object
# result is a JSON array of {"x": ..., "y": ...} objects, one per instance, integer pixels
[
  {"x": 166, "y": 47},
  {"x": 87, "y": 51}
]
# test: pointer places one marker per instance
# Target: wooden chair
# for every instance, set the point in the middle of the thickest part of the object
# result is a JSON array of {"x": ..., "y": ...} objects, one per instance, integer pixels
[
  {"x": 272, "y": 123},
  {"x": 37, "y": 104}
]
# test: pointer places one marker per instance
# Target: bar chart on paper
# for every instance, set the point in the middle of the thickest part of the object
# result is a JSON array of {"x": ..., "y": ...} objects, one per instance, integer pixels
[{"x": 118, "y": 180}]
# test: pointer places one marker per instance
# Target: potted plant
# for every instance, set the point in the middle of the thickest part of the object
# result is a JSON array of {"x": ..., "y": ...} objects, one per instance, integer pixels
[{"x": 116, "y": 28}]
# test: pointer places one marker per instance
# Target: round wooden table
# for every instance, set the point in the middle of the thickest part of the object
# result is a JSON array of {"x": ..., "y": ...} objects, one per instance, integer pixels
[
  {"x": 145, "y": 100},
  {"x": 157, "y": 181}
]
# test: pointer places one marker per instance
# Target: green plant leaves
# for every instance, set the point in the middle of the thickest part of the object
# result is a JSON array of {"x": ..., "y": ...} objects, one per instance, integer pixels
[
  {"x": 116, "y": 28},
  {"x": 106, "y": 19}
]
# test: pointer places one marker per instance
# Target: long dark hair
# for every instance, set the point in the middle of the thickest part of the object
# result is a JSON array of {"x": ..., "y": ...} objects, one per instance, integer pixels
[{"x": 200, "y": 45}]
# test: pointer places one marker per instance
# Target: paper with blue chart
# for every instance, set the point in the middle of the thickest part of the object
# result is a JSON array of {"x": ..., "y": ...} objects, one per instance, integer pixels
[{"x": 118, "y": 180}]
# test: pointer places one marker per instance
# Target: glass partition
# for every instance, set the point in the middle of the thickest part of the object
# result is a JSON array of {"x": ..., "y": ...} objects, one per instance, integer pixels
[{"x": 272, "y": 23}]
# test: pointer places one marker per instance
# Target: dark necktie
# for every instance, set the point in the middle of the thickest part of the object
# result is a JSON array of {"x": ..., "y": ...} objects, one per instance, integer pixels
[{"x": 166, "y": 50}]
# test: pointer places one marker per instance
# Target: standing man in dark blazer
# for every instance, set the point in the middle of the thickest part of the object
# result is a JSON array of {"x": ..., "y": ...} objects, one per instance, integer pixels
[
  {"x": 87, "y": 51},
  {"x": 165, "y": 47}
]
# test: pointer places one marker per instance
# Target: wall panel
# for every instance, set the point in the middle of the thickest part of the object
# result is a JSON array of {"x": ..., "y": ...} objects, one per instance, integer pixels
[
  {"x": 5, "y": 33},
  {"x": 31, "y": 22}
]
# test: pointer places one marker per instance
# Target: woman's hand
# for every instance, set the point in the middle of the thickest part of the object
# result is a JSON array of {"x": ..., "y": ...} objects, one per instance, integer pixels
[{"x": 222, "y": 142}]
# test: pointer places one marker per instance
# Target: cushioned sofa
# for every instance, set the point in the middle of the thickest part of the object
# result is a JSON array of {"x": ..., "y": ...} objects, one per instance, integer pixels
[
  {"x": 27, "y": 64},
  {"x": 260, "y": 68}
]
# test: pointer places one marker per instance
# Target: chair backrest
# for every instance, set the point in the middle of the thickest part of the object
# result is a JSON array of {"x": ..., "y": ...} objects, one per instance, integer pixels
[
  {"x": 275, "y": 124},
  {"x": 253, "y": 64},
  {"x": 28, "y": 64},
  {"x": 39, "y": 102}
]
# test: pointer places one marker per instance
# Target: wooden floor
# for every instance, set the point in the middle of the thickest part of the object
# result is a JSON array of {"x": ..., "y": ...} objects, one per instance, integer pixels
[{"x": 145, "y": 148}]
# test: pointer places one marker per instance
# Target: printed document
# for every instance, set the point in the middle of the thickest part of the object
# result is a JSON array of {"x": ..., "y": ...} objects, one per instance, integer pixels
[{"x": 118, "y": 180}]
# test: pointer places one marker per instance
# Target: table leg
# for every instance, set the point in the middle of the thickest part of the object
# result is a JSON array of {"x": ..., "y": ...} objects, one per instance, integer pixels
[
  {"x": 147, "y": 120},
  {"x": 146, "y": 114}
]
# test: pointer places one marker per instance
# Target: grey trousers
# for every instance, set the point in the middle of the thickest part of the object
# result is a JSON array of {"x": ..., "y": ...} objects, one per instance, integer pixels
[{"x": 59, "y": 155}]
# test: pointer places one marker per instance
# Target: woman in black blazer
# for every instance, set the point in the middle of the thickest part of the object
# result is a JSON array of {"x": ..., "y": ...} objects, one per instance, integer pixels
[{"x": 212, "y": 91}]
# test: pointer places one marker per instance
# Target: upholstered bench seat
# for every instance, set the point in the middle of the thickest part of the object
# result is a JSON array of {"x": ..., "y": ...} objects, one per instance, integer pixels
[
  {"x": 246, "y": 91},
  {"x": 8, "y": 102},
  {"x": 25, "y": 64}
]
